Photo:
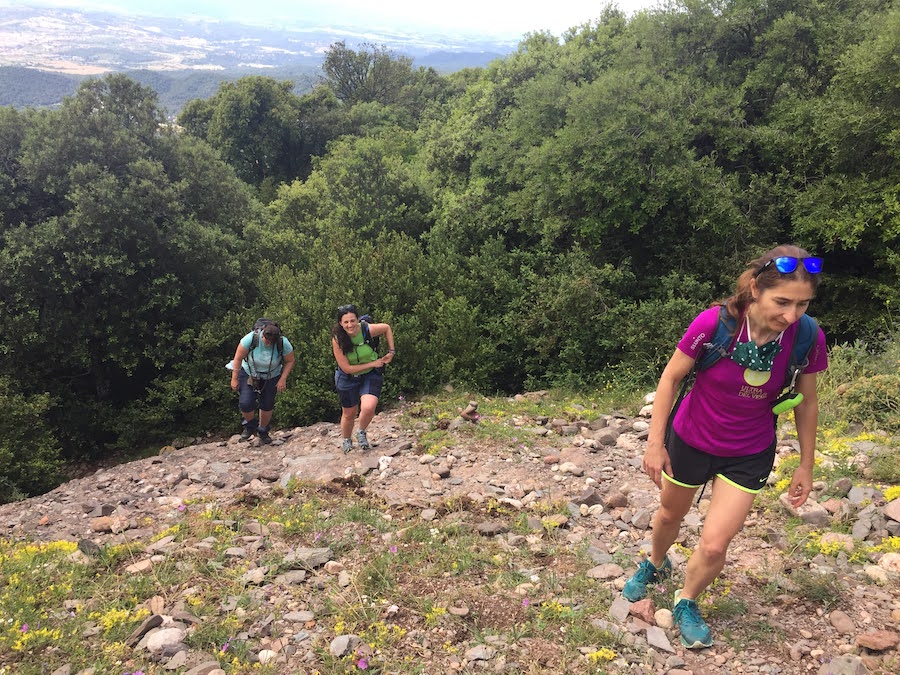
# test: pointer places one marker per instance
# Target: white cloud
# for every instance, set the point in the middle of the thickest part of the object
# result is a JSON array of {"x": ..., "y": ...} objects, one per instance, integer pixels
[
  {"x": 489, "y": 16},
  {"x": 506, "y": 18}
]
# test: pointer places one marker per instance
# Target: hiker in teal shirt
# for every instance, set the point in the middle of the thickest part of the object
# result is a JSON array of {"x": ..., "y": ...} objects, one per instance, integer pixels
[
  {"x": 262, "y": 362},
  {"x": 358, "y": 377}
]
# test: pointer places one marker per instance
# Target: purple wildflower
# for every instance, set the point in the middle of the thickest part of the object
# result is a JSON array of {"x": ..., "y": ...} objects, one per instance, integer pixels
[
  {"x": 24, "y": 628},
  {"x": 362, "y": 664},
  {"x": 393, "y": 549}
]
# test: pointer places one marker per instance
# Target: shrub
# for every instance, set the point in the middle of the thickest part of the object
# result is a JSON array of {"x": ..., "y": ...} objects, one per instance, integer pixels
[
  {"x": 860, "y": 384},
  {"x": 30, "y": 461},
  {"x": 821, "y": 589},
  {"x": 886, "y": 466},
  {"x": 875, "y": 402}
]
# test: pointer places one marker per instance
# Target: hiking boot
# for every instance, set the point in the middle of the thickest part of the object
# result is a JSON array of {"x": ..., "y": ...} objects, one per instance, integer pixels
[
  {"x": 346, "y": 445},
  {"x": 264, "y": 438},
  {"x": 362, "y": 439},
  {"x": 647, "y": 573},
  {"x": 249, "y": 429},
  {"x": 695, "y": 634}
]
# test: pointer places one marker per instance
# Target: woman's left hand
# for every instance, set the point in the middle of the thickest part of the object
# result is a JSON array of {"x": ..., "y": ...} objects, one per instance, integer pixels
[
  {"x": 801, "y": 484},
  {"x": 387, "y": 358}
]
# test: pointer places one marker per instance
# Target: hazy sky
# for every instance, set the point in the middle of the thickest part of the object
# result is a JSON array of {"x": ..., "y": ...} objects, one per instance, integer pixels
[{"x": 485, "y": 17}]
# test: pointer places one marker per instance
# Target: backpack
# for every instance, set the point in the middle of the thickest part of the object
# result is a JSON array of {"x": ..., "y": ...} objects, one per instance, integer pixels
[
  {"x": 258, "y": 329},
  {"x": 368, "y": 339},
  {"x": 726, "y": 330}
]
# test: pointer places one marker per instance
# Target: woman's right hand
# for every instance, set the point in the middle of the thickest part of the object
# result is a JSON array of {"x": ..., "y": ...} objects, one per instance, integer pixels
[
  {"x": 656, "y": 460},
  {"x": 234, "y": 383}
]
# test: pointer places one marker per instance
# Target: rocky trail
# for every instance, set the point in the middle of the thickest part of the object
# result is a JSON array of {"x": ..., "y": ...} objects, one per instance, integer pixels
[{"x": 593, "y": 467}]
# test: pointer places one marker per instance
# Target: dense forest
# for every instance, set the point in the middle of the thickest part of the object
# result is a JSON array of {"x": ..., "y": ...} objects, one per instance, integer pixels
[{"x": 553, "y": 219}]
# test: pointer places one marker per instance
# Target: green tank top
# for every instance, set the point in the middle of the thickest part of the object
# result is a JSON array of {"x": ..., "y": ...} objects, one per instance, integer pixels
[{"x": 362, "y": 353}]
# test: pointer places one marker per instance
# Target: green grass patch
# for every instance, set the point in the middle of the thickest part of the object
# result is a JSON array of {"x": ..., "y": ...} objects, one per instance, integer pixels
[
  {"x": 751, "y": 631},
  {"x": 717, "y": 607},
  {"x": 360, "y": 513},
  {"x": 820, "y": 589}
]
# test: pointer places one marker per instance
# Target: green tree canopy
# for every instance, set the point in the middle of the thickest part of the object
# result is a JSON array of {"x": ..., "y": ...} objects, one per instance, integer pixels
[
  {"x": 371, "y": 74},
  {"x": 130, "y": 237}
]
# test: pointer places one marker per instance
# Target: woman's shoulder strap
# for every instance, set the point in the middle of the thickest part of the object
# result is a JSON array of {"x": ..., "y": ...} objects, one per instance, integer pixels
[
  {"x": 717, "y": 347},
  {"x": 807, "y": 333}
]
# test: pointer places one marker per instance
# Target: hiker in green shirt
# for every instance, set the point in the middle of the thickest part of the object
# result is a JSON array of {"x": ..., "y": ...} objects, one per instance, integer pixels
[{"x": 358, "y": 377}]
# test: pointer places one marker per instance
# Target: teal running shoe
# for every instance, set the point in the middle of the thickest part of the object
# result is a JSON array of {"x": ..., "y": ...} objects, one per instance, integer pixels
[
  {"x": 695, "y": 634},
  {"x": 363, "y": 440},
  {"x": 647, "y": 573}
]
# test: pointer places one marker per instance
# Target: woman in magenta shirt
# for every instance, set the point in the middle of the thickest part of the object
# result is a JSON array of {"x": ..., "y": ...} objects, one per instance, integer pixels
[{"x": 724, "y": 429}]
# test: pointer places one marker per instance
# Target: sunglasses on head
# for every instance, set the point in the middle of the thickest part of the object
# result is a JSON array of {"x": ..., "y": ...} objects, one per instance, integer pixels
[
  {"x": 346, "y": 309},
  {"x": 272, "y": 335},
  {"x": 788, "y": 263}
]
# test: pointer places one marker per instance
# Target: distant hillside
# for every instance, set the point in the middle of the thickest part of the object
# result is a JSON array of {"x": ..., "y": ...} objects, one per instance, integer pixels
[
  {"x": 30, "y": 87},
  {"x": 46, "y": 52},
  {"x": 448, "y": 62},
  {"x": 22, "y": 87},
  {"x": 177, "y": 88}
]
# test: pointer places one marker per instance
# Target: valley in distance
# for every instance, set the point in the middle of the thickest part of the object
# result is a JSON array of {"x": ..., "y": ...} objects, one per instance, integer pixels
[{"x": 45, "y": 53}]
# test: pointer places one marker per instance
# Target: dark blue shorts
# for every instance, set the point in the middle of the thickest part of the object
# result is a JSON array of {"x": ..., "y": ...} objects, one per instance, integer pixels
[
  {"x": 351, "y": 388},
  {"x": 692, "y": 468},
  {"x": 263, "y": 395}
]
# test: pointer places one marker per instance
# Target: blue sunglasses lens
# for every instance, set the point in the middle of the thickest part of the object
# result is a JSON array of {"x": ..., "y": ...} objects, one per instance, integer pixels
[
  {"x": 813, "y": 265},
  {"x": 787, "y": 264}
]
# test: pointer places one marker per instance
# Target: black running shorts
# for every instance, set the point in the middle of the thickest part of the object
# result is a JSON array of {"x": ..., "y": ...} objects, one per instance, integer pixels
[{"x": 692, "y": 468}]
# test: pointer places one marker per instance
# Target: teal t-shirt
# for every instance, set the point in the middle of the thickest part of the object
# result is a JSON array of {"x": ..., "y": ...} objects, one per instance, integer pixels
[{"x": 266, "y": 361}]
